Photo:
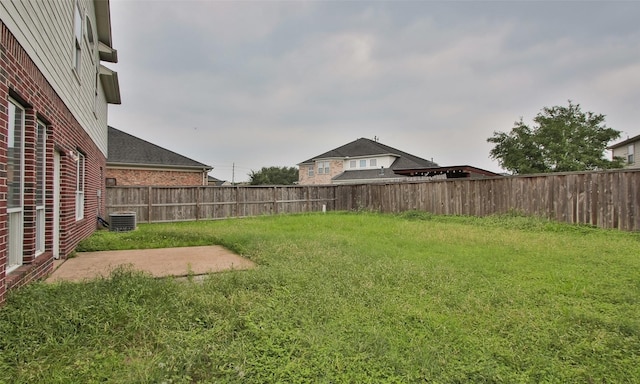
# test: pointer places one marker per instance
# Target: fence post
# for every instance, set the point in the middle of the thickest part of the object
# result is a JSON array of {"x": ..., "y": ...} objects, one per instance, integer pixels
[
  {"x": 275, "y": 200},
  {"x": 150, "y": 204},
  {"x": 237, "y": 201},
  {"x": 198, "y": 203}
]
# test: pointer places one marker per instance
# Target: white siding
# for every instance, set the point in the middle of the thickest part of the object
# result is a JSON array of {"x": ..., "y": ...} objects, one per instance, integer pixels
[
  {"x": 45, "y": 30},
  {"x": 622, "y": 151},
  {"x": 381, "y": 161}
]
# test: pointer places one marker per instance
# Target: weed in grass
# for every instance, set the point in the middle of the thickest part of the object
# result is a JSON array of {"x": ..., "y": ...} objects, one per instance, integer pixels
[{"x": 416, "y": 215}]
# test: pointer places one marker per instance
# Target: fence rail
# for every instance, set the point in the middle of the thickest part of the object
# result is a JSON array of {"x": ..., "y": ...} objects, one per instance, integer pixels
[{"x": 607, "y": 199}]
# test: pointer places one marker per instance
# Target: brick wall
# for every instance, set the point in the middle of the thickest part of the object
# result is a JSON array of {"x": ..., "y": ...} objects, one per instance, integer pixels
[
  {"x": 21, "y": 80},
  {"x": 335, "y": 168},
  {"x": 148, "y": 177}
]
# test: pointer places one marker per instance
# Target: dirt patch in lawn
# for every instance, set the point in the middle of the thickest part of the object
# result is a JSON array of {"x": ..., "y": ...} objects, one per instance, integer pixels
[{"x": 162, "y": 262}]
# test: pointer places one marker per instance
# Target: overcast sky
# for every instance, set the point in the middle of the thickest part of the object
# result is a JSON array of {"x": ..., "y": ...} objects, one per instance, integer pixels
[{"x": 276, "y": 83}]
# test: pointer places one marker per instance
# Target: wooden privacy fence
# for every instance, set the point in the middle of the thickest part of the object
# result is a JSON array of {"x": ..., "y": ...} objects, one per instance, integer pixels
[
  {"x": 607, "y": 199},
  {"x": 164, "y": 204}
]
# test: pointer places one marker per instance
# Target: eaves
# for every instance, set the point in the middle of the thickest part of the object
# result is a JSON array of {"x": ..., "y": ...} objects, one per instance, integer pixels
[{"x": 155, "y": 167}]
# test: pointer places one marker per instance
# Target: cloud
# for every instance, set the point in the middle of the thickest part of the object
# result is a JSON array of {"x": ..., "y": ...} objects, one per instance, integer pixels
[{"x": 275, "y": 83}]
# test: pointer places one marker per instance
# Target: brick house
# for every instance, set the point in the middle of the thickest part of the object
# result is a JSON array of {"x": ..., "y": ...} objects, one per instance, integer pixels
[
  {"x": 54, "y": 93},
  {"x": 216, "y": 182},
  {"x": 136, "y": 162},
  {"x": 366, "y": 161},
  {"x": 627, "y": 150},
  {"x": 360, "y": 161}
]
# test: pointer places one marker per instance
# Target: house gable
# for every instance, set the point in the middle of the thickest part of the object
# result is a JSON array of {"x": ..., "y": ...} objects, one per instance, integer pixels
[
  {"x": 369, "y": 148},
  {"x": 360, "y": 160}
]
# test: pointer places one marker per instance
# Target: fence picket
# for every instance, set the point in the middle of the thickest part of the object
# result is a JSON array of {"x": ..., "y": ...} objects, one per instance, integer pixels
[{"x": 607, "y": 199}]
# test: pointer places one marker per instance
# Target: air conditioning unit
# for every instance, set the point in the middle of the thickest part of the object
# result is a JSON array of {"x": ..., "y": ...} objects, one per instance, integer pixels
[{"x": 122, "y": 221}]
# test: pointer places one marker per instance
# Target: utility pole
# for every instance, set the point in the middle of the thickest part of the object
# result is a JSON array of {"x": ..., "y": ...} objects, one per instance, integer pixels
[{"x": 233, "y": 174}]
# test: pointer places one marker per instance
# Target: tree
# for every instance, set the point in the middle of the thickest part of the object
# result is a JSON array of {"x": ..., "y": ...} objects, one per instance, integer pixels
[
  {"x": 274, "y": 176},
  {"x": 562, "y": 139}
]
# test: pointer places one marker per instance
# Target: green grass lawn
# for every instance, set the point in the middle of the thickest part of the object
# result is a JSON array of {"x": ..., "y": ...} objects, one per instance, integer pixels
[{"x": 345, "y": 298}]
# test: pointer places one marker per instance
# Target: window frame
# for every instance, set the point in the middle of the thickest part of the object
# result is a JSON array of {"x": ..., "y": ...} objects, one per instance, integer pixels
[
  {"x": 15, "y": 209},
  {"x": 41, "y": 186},
  {"x": 363, "y": 163},
  {"x": 89, "y": 35},
  {"x": 80, "y": 185},
  {"x": 631, "y": 154},
  {"x": 11, "y": 138},
  {"x": 77, "y": 38},
  {"x": 323, "y": 167}
]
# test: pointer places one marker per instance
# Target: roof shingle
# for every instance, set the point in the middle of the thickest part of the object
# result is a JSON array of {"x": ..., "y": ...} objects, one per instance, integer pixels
[
  {"x": 367, "y": 147},
  {"x": 128, "y": 149}
]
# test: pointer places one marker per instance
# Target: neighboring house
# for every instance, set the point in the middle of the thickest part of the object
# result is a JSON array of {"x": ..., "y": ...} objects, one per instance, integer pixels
[
  {"x": 136, "y": 162},
  {"x": 54, "y": 93},
  {"x": 360, "y": 161},
  {"x": 217, "y": 182},
  {"x": 627, "y": 150},
  {"x": 369, "y": 161}
]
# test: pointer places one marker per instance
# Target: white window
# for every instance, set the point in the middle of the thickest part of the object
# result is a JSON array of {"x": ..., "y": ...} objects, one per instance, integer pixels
[
  {"x": 311, "y": 171},
  {"x": 353, "y": 164},
  {"x": 630, "y": 154},
  {"x": 80, "y": 177},
  {"x": 41, "y": 156},
  {"x": 92, "y": 52},
  {"x": 323, "y": 167},
  {"x": 363, "y": 163},
  {"x": 89, "y": 34},
  {"x": 373, "y": 163},
  {"x": 77, "y": 36},
  {"x": 15, "y": 183}
]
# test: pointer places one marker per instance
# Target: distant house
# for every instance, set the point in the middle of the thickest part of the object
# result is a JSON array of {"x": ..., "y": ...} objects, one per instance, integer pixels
[
  {"x": 136, "y": 162},
  {"x": 217, "y": 182},
  {"x": 54, "y": 97},
  {"x": 627, "y": 150},
  {"x": 369, "y": 161}
]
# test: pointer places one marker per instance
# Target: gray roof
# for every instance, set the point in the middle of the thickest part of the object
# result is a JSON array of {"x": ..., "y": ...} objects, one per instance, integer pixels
[
  {"x": 213, "y": 181},
  {"x": 130, "y": 150},
  {"x": 627, "y": 141},
  {"x": 368, "y": 174},
  {"x": 367, "y": 147}
]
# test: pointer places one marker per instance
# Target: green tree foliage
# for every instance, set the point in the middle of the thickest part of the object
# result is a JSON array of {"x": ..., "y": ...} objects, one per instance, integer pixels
[
  {"x": 274, "y": 176},
  {"x": 563, "y": 139}
]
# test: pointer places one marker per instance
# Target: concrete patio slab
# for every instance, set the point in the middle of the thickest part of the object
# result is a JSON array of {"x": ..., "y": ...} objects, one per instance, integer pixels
[{"x": 158, "y": 262}]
